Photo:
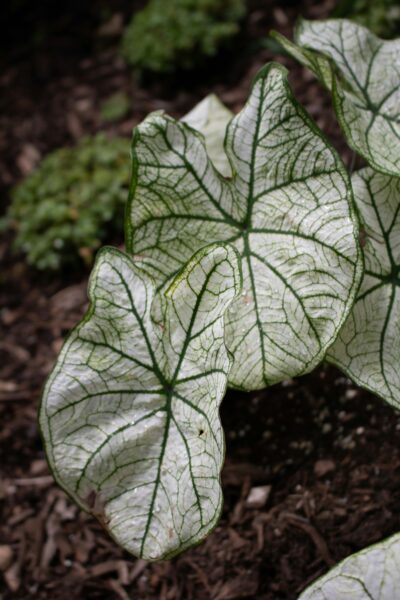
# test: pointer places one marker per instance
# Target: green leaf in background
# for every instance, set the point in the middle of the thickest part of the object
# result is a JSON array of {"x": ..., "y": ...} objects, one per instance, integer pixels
[
  {"x": 116, "y": 107},
  {"x": 287, "y": 209},
  {"x": 365, "y": 87},
  {"x": 372, "y": 574},
  {"x": 130, "y": 414},
  {"x": 211, "y": 118},
  {"x": 368, "y": 346}
]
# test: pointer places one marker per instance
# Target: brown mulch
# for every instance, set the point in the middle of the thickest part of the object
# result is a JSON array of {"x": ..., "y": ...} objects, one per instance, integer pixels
[{"x": 312, "y": 472}]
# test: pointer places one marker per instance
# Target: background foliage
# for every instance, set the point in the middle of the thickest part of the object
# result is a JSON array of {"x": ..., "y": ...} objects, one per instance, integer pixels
[
  {"x": 165, "y": 36},
  {"x": 74, "y": 198}
]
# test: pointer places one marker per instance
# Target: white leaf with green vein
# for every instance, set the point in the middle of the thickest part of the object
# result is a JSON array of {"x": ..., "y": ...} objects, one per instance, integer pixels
[
  {"x": 366, "y": 88},
  {"x": 372, "y": 574},
  {"x": 318, "y": 63},
  {"x": 368, "y": 346},
  {"x": 130, "y": 414},
  {"x": 287, "y": 209},
  {"x": 211, "y": 118}
]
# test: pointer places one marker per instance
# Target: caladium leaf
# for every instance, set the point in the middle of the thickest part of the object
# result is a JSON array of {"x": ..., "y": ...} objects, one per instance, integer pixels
[
  {"x": 287, "y": 209},
  {"x": 211, "y": 118},
  {"x": 372, "y": 574},
  {"x": 130, "y": 413},
  {"x": 318, "y": 63},
  {"x": 368, "y": 346},
  {"x": 365, "y": 89}
]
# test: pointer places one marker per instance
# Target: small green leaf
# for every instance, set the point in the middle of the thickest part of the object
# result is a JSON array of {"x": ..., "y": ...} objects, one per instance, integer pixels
[
  {"x": 287, "y": 209},
  {"x": 366, "y": 88},
  {"x": 368, "y": 346},
  {"x": 211, "y": 118},
  {"x": 372, "y": 574},
  {"x": 116, "y": 107},
  {"x": 130, "y": 413}
]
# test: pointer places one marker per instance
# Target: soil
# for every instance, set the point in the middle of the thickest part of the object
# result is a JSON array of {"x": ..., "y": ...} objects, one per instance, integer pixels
[{"x": 323, "y": 453}]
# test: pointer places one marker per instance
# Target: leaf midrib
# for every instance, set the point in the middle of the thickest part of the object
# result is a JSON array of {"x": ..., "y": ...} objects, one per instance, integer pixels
[{"x": 170, "y": 394}]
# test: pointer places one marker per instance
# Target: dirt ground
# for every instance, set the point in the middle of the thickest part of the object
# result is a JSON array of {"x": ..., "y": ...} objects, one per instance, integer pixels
[{"x": 324, "y": 453}]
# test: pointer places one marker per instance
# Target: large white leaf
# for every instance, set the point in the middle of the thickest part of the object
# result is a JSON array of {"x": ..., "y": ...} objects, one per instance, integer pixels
[
  {"x": 130, "y": 413},
  {"x": 211, "y": 118},
  {"x": 368, "y": 346},
  {"x": 372, "y": 574},
  {"x": 287, "y": 209},
  {"x": 366, "y": 90}
]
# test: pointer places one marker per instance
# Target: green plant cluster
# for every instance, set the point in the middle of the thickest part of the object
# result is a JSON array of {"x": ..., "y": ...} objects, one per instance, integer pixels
[
  {"x": 71, "y": 202},
  {"x": 165, "y": 36}
]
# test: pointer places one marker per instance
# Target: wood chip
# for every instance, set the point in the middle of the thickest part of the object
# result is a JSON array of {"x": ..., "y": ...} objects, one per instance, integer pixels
[
  {"x": 120, "y": 566},
  {"x": 258, "y": 496},
  {"x": 69, "y": 299},
  {"x": 113, "y": 27},
  {"x": 323, "y": 467},
  {"x": 240, "y": 587},
  {"x": 316, "y": 537},
  {"x": 138, "y": 569},
  {"x": 12, "y": 577},
  {"x": 28, "y": 159},
  {"x": 44, "y": 481},
  {"x": 6, "y": 556},
  {"x": 118, "y": 589},
  {"x": 20, "y": 517}
]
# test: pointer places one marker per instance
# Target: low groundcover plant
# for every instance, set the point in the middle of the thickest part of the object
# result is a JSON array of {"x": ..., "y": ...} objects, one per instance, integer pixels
[
  {"x": 63, "y": 211},
  {"x": 243, "y": 266},
  {"x": 179, "y": 34}
]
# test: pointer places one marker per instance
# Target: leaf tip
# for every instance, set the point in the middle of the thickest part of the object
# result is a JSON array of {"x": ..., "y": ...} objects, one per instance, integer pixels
[{"x": 270, "y": 69}]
